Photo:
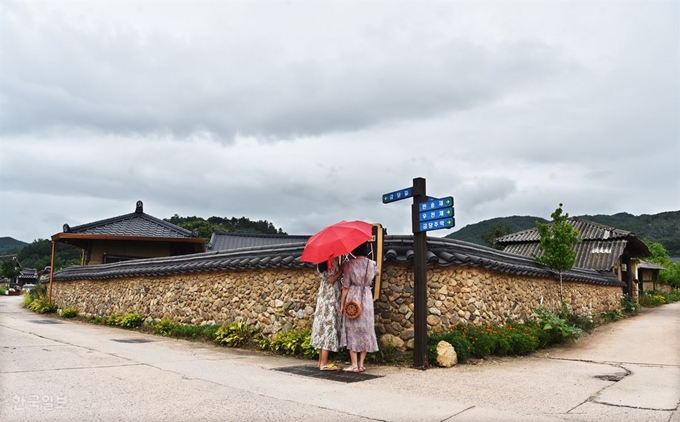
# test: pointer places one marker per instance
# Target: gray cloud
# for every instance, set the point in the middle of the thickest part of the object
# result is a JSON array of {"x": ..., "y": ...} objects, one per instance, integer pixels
[{"x": 303, "y": 114}]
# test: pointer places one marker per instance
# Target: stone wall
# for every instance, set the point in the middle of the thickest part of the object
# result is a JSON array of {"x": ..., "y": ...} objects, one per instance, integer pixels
[{"x": 276, "y": 299}]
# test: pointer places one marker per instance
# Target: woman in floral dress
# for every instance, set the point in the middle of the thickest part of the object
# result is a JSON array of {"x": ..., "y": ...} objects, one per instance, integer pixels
[
  {"x": 326, "y": 325},
  {"x": 358, "y": 335}
]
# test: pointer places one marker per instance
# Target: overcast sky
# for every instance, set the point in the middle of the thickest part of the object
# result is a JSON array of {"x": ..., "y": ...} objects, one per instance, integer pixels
[{"x": 305, "y": 113}]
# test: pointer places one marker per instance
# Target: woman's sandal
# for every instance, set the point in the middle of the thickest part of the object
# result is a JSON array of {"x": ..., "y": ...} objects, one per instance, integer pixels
[
  {"x": 351, "y": 369},
  {"x": 329, "y": 367},
  {"x": 361, "y": 369}
]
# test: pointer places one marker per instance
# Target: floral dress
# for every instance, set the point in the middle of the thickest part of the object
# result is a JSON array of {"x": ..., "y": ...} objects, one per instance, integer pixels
[
  {"x": 358, "y": 334},
  {"x": 326, "y": 325}
]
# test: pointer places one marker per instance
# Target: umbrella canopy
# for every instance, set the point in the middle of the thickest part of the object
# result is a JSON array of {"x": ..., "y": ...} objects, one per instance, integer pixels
[{"x": 339, "y": 239}]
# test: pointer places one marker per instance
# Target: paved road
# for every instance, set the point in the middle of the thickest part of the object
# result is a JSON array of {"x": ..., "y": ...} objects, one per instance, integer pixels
[{"x": 70, "y": 371}]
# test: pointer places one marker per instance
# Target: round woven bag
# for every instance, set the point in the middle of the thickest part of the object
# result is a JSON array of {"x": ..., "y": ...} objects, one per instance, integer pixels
[{"x": 352, "y": 309}]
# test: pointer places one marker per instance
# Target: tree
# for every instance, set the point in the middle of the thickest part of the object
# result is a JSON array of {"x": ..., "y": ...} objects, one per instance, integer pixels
[
  {"x": 10, "y": 268},
  {"x": 495, "y": 231},
  {"x": 671, "y": 275},
  {"x": 557, "y": 244}
]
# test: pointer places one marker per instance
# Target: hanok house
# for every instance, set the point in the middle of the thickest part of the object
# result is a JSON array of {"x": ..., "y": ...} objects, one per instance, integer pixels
[
  {"x": 130, "y": 236},
  {"x": 601, "y": 248}
]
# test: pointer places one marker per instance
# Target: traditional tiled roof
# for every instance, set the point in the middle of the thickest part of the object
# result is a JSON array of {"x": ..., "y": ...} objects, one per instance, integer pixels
[
  {"x": 136, "y": 224},
  {"x": 600, "y": 246},
  {"x": 646, "y": 265},
  {"x": 220, "y": 241},
  {"x": 398, "y": 249},
  {"x": 28, "y": 274}
]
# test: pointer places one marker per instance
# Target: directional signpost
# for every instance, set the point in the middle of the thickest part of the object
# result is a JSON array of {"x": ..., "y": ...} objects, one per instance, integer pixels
[
  {"x": 397, "y": 196},
  {"x": 427, "y": 214}
]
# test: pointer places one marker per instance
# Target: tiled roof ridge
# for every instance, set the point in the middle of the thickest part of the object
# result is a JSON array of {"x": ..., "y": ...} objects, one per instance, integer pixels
[
  {"x": 399, "y": 249},
  {"x": 277, "y": 235},
  {"x": 130, "y": 216}
]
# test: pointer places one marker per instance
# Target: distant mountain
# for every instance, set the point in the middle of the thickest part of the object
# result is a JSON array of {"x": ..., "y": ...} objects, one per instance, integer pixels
[
  {"x": 8, "y": 243},
  {"x": 663, "y": 227}
]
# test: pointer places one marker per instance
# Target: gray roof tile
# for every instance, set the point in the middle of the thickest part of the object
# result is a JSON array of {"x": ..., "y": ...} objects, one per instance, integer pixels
[
  {"x": 136, "y": 224},
  {"x": 220, "y": 241}
]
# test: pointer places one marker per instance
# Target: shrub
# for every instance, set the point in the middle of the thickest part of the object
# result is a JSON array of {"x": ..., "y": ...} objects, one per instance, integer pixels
[
  {"x": 652, "y": 300},
  {"x": 557, "y": 328},
  {"x": 69, "y": 312},
  {"x": 163, "y": 327},
  {"x": 42, "y": 305},
  {"x": 455, "y": 338},
  {"x": 131, "y": 320},
  {"x": 610, "y": 316},
  {"x": 294, "y": 342},
  {"x": 3, "y": 290},
  {"x": 233, "y": 335},
  {"x": 629, "y": 306}
]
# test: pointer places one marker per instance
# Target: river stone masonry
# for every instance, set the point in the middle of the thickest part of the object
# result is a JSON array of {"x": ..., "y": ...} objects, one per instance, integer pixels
[{"x": 277, "y": 299}]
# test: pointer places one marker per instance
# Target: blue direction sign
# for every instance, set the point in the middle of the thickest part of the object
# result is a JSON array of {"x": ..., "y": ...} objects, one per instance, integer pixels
[
  {"x": 397, "y": 196},
  {"x": 445, "y": 223},
  {"x": 436, "y": 204},
  {"x": 436, "y": 214}
]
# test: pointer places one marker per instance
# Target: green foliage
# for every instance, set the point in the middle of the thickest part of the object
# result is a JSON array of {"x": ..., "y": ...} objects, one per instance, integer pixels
[
  {"x": 38, "y": 255},
  {"x": 36, "y": 300},
  {"x": 168, "y": 328},
  {"x": 9, "y": 245},
  {"x": 3, "y": 290},
  {"x": 610, "y": 316},
  {"x": 390, "y": 355},
  {"x": 671, "y": 275},
  {"x": 495, "y": 231},
  {"x": 557, "y": 328},
  {"x": 132, "y": 320},
  {"x": 10, "y": 268},
  {"x": 232, "y": 225},
  {"x": 234, "y": 335},
  {"x": 294, "y": 342},
  {"x": 557, "y": 242},
  {"x": 512, "y": 339},
  {"x": 70, "y": 312},
  {"x": 652, "y": 300},
  {"x": 628, "y": 305}
]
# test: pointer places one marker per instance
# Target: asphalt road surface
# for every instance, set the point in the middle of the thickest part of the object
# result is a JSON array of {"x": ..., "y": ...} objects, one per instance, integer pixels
[{"x": 53, "y": 369}]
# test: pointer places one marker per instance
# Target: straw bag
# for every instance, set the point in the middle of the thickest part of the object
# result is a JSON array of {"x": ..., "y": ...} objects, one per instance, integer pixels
[{"x": 352, "y": 309}]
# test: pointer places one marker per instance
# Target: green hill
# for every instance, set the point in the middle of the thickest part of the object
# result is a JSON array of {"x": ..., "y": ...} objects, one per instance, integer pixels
[
  {"x": 663, "y": 227},
  {"x": 7, "y": 244}
]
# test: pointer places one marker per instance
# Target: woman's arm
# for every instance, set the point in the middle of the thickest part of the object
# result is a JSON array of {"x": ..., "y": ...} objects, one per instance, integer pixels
[
  {"x": 332, "y": 279},
  {"x": 342, "y": 299}
]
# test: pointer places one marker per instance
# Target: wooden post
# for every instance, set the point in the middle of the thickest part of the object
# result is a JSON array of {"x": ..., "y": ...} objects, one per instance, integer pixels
[
  {"x": 51, "y": 272},
  {"x": 419, "y": 279}
]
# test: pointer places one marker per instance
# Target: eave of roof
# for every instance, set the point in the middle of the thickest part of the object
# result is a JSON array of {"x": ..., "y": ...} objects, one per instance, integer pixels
[{"x": 398, "y": 249}]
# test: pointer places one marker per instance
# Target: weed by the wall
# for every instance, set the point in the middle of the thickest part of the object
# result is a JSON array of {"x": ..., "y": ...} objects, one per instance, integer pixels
[
  {"x": 70, "y": 312},
  {"x": 233, "y": 335}
]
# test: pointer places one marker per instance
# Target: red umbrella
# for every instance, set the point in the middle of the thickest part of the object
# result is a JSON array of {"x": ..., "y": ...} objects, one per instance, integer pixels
[{"x": 339, "y": 239}]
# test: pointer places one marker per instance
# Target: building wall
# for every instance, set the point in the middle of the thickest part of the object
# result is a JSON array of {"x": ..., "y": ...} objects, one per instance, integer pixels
[
  {"x": 131, "y": 249},
  {"x": 280, "y": 299}
]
